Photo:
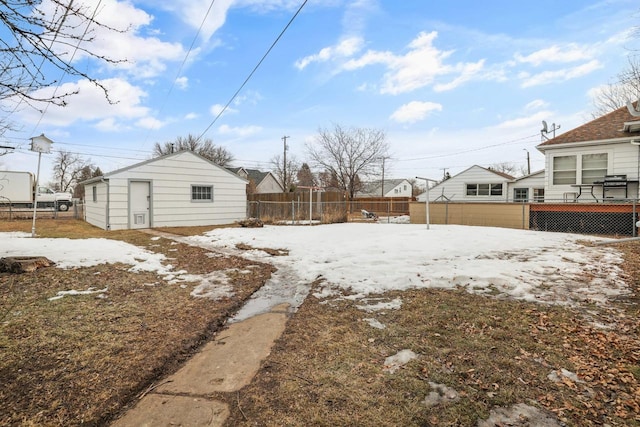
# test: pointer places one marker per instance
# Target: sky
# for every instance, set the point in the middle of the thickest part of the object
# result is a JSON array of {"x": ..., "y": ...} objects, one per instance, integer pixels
[
  {"x": 452, "y": 84},
  {"x": 371, "y": 259}
]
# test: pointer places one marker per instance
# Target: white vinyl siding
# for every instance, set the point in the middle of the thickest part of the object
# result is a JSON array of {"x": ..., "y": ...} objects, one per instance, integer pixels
[
  {"x": 564, "y": 170},
  {"x": 171, "y": 178}
]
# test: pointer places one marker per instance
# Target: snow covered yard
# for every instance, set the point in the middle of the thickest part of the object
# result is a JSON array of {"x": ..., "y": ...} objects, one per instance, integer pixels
[{"x": 373, "y": 258}]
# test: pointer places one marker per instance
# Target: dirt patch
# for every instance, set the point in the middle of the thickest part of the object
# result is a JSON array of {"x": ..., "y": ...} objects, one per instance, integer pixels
[{"x": 83, "y": 357}]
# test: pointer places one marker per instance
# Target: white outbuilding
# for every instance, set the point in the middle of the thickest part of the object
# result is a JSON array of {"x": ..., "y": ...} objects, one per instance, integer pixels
[{"x": 175, "y": 190}]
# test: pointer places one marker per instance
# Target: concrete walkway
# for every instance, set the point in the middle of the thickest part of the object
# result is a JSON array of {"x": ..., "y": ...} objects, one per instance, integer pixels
[{"x": 224, "y": 365}]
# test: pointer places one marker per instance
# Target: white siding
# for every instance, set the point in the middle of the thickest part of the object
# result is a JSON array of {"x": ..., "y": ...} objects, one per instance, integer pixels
[
  {"x": 622, "y": 159},
  {"x": 404, "y": 189},
  {"x": 170, "y": 181},
  {"x": 455, "y": 188},
  {"x": 531, "y": 183},
  {"x": 95, "y": 213}
]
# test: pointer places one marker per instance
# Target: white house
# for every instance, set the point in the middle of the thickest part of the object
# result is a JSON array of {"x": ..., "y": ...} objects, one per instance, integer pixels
[
  {"x": 528, "y": 188},
  {"x": 386, "y": 188},
  {"x": 475, "y": 184},
  {"x": 179, "y": 189},
  {"x": 598, "y": 160},
  {"x": 264, "y": 182}
]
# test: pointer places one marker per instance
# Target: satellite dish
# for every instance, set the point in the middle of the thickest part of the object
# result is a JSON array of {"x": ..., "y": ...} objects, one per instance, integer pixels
[{"x": 545, "y": 129}]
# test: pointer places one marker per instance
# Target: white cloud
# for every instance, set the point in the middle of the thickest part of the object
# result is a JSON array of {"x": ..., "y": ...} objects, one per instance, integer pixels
[
  {"x": 555, "y": 76},
  {"x": 466, "y": 73},
  {"x": 530, "y": 122},
  {"x": 239, "y": 131},
  {"x": 414, "y": 111},
  {"x": 108, "y": 125},
  {"x": 140, "y": 56},
  {"x": 569, "y": 53},
  {"x": 216, "y": 109},
  {"x": 150, "y": 123},
  {"x": 191, "y": 116},
  {"x": 419, "y": 67},
  {"x": 182, "y": 82},
  {"x": 345, "y": 49},
  {"x": 90, "y": 104},
  {"x": 536, "y": 104}
]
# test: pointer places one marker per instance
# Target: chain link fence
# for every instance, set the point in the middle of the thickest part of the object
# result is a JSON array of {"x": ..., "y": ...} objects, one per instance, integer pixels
[
  {"x": 604, "y": 217},
  {"x": 9, "y": 212}
]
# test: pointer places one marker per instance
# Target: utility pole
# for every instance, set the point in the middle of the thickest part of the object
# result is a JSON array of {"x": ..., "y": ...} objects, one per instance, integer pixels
[
  {"x": 382, "y": 183},
  {"x": 528, "y": 162},
  {"x": 284, "y": 165}
]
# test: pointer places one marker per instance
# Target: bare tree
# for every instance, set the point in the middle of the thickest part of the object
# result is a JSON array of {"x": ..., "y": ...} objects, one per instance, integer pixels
[
  {"x": 67, "y": 170},
  {"x": 44, "y": 36},
  {"x": 204, "y": 147},
  {"x": 504, "y": 167},
  {"x": 278, "y": 168},
  {"x": 305, "y": 177},
  {"x": 347, "y": 153},
  {"x": 625, "y": 89}
]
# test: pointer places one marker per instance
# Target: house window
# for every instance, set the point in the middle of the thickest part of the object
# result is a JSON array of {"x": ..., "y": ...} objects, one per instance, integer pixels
[
  {"x": 520, "y": 194},
  {"x": 484, "y": 189},
  {"x": 404, "y": 187},
  {"x": 202, "y": 193},
  {"x": 538, "y": 194},
  {"x": 594, "y": 167},
  {"x": 564, "y": 170},
  {"x": 94, "y": 191}
]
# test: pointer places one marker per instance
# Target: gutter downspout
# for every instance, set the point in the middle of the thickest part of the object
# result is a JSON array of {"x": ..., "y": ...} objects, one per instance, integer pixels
[{"x": 106, "y": 215}]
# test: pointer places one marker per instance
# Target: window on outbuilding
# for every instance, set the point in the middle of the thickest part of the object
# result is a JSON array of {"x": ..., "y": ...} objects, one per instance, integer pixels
[
  {"x": 484, "y": 190},
  {"x": 94, "y": 193},
  {"x": 202, "y": 193},
  {"x": 538, "y": 194},
  {"x": 520, "y": 194}
]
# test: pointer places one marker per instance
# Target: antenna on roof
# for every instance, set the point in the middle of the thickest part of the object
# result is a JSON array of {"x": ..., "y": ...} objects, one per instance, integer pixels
[{"x": 545, "y": 130}]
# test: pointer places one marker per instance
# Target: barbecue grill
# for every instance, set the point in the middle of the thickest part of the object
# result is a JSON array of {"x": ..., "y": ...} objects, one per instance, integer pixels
[{"x": 613, "y": 182}]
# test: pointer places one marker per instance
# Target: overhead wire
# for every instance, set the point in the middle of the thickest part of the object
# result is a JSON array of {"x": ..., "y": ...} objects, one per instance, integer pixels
[
  {"x": 252, "y": 71},
  {"x": 184, "y": 61},
  {"x": 73, "y": 55}
]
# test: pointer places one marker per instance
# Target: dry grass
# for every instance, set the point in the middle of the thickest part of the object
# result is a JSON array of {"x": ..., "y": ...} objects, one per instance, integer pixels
[
  {"x": 82, "y": 359},
  {"x": 327, "y": 369}
]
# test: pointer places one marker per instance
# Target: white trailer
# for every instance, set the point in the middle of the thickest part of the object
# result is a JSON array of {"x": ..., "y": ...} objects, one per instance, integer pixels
[{"x": 18, "y": 189}]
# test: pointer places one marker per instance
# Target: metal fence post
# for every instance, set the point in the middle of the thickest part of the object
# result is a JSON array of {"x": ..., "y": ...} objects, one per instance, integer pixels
[{"x": 633, "y": 218}]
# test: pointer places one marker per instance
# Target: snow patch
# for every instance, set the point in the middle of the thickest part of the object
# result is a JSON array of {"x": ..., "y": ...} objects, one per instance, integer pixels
[
  {"x": 73, "y": 292},
  {"x": 398, "y": 360}
]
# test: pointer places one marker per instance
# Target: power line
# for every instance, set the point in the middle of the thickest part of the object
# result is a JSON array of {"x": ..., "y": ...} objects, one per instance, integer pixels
[
  {"x": 253, "y": 71},
  {"x": 467, "y": 151},
  {"x": 75, "y": 50},
  {"x": 184, "y": 61}
]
